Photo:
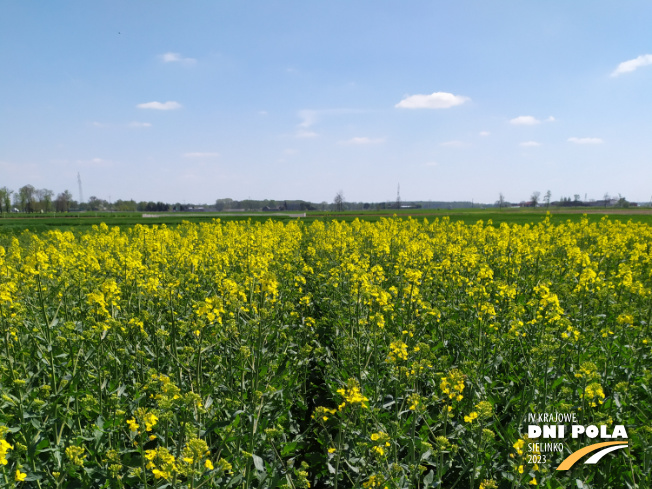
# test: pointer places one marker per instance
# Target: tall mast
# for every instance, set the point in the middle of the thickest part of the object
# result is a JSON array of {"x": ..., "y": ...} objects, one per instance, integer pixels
[{"x": 81, "y": 195}]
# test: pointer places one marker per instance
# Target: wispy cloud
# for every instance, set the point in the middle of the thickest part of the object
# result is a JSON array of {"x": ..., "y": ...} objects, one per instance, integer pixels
[
  {"x": 160, "y": 105},
  {"x": 452, "y": 144},
  {"x": 176, "y": 58},
  {"x": 310, "y": 117},
  {"x": 529, "y": 120},
  {"x": 586, "y": 140},
  {"x": 529, "y": 144},
  {"x": 436, "y": 100},
  {"x": 199, "y": 154},
  {"x": 305, "y": 134},
  {"x": 484, "y": 133},
  {"x": 132, "y": 125},
  {"x": 363, "y": 140},
  {"x": 632, "y": 64},
  {"x": 430, "y": 163},
  {"x": 524, "y": 120}
]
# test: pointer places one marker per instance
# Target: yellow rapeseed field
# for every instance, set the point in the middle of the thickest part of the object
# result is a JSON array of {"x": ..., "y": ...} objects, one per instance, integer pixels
[{"x": 395, "y": 354}]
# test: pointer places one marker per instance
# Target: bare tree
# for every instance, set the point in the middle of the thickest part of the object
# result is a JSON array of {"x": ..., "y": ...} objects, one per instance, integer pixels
[
  {"x": 501, "y": 200},
  {"x": 339, "y": 201},
  {"x": 535, "y": 198},
  {"x": 546, "y": 198},
  {"x": 62, "y": 202}
]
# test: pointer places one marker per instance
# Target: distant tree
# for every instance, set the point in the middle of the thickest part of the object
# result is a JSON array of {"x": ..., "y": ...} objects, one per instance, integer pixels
[
  {"x": 249, "y": 204},
  {"x": 125, "y": 205},
  {"x": 576, "y": 197},
  {"x": 44, "y": 197},
  {"x": 606, "y": 198},
  {"x": 338, "y": 201},
  {"x": 63, "y": 201},
  {"x": 25, "y": 198},
  {"x": 94, "y": 203},
  {"x": 223, "y": 204},
  {"x": 622, "y": 202},
  {"x": 5, "y": 199},
  {"x": 501, "y": 200},
  {"x": 535, "y": 198},
  {"x": 547, "y": 197}
]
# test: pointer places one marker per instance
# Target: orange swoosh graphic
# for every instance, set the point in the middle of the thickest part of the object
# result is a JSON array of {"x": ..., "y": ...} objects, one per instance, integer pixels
[{"x": 575, "y": 456}]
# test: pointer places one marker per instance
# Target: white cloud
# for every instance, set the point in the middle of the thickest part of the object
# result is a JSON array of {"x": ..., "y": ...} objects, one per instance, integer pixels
[
  {"x": 528, "y": 120},
  {"x": 529, "y": 144},
  {"x": 303, "y": 134},
  {"x": 137, "y": 124},
  {"x": 484, "y": 133},
  {"x": 436, "y": 100},
  {"x": 200, "y": 154},
  {"x": 290, "y": 151},
  {"x": 632, "y": 64},
  {"x": 177, "y": 58},
  {"x": 586, "y": 140},
  {"x": 310, "y": 117},
  {"x": 362, "y": 140},
  {"x": 430, "y": 163},
  {"x": 452, "y": 144},
  {"x": 160, "y": 105},
  {"x": 525, "y": 120}
]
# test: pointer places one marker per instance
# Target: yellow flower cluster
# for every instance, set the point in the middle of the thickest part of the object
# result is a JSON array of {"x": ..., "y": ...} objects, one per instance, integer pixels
[
  {"x": 352, "y": 395},
  {"x": 161, "y": 462},
  {"x": 4, "y": 449},
  {"x": 594, "y": 394},
  {"x": 452, "y": 385},
  {"x": 397, "y": 351},
  {"x": 76, "y": 455}
]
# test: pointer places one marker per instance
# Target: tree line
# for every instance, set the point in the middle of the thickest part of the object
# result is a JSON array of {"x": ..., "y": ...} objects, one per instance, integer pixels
[{"x": 29, "y": 199}]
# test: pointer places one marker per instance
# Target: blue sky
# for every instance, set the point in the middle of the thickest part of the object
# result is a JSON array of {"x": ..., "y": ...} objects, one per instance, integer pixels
[{"x": 198, "y": 100}]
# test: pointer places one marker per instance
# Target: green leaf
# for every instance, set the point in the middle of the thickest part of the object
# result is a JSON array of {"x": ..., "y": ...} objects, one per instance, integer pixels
[
  {"x": 427, "y": 480},
  {"x": 288, "y": 449},
  {"x": 258, "y": 462}
]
